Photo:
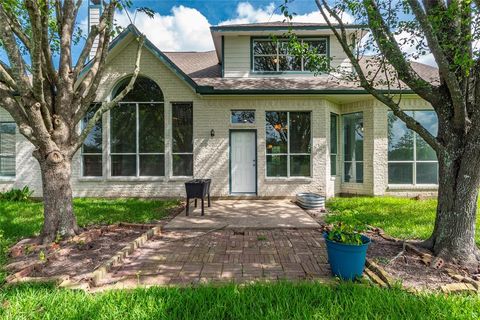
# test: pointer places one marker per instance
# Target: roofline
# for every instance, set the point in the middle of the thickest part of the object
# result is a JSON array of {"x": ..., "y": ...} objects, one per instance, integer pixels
[
  {"x": 131, "y": 29},
  {"x": 227, "y": 28},
  {"x": 209, "y": 90}
]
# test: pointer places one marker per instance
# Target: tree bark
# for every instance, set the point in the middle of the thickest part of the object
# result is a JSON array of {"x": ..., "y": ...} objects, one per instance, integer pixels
[
  {"x": 59, "y": 219},
  {"x": 453, "y": 237}
]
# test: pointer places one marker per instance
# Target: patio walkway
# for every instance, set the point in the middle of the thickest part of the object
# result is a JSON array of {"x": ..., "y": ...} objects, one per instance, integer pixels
[
  {"x": 244, "y": 214},
  {"x": 190, "y": 257}
]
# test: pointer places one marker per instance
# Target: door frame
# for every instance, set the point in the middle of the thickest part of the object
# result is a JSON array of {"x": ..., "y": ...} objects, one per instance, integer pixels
[{"x": 230, "y": 162}]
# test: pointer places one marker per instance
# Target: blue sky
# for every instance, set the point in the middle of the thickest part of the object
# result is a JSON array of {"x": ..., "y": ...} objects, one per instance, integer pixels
[{"x": 184, "y": 25}]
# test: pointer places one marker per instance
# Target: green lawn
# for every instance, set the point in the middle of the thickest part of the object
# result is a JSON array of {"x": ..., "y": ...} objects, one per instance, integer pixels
[
  {"x": 399, "y": 217},
  {"x": 260, "y": 301},
  {"x": 24, "y": 219}
]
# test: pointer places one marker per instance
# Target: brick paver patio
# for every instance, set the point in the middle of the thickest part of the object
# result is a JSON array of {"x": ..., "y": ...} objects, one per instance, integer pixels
[{"x": 189, "y": 257}]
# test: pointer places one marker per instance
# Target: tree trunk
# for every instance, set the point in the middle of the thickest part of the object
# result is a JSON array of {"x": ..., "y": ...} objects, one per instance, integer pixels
[
  {"x": 453, "y": 237},
  {"x": 59, "y": 219}
]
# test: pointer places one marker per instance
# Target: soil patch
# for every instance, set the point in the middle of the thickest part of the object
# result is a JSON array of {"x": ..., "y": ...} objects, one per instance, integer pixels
[
  {"x": 77, "y": 257},
  {"x": 406, "y": 266}
]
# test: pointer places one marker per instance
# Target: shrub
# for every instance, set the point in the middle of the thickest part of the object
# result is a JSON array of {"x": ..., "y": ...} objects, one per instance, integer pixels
[{"x": 17, "y": 195}]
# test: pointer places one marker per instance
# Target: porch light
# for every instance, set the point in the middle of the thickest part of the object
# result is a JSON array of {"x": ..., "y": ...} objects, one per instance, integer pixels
[{"x": 212, "y": 133}]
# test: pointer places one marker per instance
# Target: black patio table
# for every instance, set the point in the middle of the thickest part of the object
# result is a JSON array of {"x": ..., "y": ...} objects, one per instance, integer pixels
[{"x": 197, "y": 189}]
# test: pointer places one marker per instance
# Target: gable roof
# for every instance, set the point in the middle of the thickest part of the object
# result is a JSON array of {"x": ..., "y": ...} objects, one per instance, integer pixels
[
  {"x": 202, "y": 72},
  {"x": 278, "y": 25}
]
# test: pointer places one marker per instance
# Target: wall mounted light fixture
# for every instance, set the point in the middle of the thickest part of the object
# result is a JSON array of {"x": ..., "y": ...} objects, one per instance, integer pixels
[{"x": 212, "y": 133}]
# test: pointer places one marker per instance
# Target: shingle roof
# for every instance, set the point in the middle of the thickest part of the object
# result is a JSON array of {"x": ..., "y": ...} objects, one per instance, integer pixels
[
  {"x": 197, "y": 64},
  {"x": 274, "y": 24},
  {"x": 204, "y": 69}
]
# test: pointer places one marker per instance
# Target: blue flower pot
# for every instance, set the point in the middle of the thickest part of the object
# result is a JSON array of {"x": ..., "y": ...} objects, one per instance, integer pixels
[{"x": 347, "y": 261}]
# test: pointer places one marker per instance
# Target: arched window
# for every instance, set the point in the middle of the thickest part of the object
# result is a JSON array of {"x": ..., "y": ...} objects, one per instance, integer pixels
[{"x": 137, "y": 131}]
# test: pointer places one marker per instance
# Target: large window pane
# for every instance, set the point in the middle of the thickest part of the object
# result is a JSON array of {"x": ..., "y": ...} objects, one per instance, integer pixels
[
  {"x": 144, "y": 90},
  {"x": 333, "y": 143},
  {"x": 243, "y": 116},
  {"x": 93, "y": 142},
  {"x": 152, "y": 165},
  {"x": 92, "y": 166},
  {"x": 427, "y": 173},
  {"x": 182, "y": 135},
  {"x": 123, "y": 128},
  {"x": 300, "y": 139},
  {"x": 182, "y": 127},
  {"x": 428, "y": 119},
  {"x": 353, "y": 147},
  {"x": 333, "y": 164},
  {"x": 277, "y": 166},
  {"x": 300, "y": 166},
  {"x": 124, "y": 165},
  {"x": 7, "y": 149},
  {"x": 183, "y": 165},
  {"x": 405, "y": 145},
  {"x": 400, "y": 173},
  {"x": 273, "y": 56},
  {"x": 264, "y": 47},
  {"x": 289, "y": 63},
  {"x": 276, "y": 132},
  {"x": 265, "y": 63},
  {"x": 320, "y": 46},
  {"x": 151, "y": 128},
  {"x": 400, "y": 140},
  {"x": 137, "y": 132}
]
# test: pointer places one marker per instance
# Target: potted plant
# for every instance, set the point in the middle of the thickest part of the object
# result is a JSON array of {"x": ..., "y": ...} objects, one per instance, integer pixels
[{"x": 347, "y": 250}]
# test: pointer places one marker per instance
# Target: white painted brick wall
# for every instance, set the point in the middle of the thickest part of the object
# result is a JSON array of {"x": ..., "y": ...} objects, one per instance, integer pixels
[{"x": 211, "y": 154}]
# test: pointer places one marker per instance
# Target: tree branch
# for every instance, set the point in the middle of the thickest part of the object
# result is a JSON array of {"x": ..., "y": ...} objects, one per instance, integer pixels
[
  {"x": 461, "y": 121},
  {"x": 93, "y": 33},
  {"x": 387, "y": 100},
  {"x": 390, "y": 49},
  {"x": 106, "y": 106},
  {"x": 37, "y": 58},
  {"x": 17, "y": 63}
]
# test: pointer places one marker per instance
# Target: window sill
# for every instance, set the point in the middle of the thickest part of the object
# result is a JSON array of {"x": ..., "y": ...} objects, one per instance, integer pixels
[
  {"x": 7, "y": 179},
  {"x": 136, "y": 179},
  {"x": 353, "y": 183},
  {"x": 288, "y": 180},
  {"x": 86, "y": 179},
  {"x": 412, "y": 187},
  {"x": 180, "y": 179}
]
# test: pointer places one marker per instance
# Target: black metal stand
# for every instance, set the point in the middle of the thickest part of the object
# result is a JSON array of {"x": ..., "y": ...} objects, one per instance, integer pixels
[{"x": 197, "y": 189}]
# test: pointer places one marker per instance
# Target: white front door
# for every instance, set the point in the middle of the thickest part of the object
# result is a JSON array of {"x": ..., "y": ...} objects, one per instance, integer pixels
[{"x": 243, "y": 166}]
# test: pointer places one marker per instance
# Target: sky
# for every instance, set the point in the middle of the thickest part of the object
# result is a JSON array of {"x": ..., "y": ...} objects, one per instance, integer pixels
[{"x": 184, "y": 25}]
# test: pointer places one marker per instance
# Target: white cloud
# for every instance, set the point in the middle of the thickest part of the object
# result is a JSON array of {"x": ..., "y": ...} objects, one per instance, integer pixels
[
  {"x": 246, "y": 13},
  {"x": 186, "y": 29}
]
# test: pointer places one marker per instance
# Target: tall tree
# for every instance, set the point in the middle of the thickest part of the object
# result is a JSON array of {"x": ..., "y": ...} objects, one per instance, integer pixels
[
  {"x": 450, "y": 31},
  {"x": 48, "y": 102}
]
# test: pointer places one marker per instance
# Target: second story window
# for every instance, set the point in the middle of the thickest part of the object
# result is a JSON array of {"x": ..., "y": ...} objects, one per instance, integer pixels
[{"x": 273, "y": 56}]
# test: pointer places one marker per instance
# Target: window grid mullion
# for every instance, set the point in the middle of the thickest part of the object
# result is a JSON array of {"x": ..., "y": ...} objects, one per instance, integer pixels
[
  {"x": 414, "y": 169},
  {"x": 137, "y": 149},
  {"x": 288, "y": 144}
]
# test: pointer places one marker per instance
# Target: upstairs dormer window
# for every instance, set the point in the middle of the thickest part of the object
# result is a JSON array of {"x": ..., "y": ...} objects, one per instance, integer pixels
[{"x": 274, "y": 56}]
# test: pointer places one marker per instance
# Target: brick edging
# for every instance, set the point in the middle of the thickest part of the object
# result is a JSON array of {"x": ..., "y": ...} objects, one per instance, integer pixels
[{"x": 100, "y": 272}]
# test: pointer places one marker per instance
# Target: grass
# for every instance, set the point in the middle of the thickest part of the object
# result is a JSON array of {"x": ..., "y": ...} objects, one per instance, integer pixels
[
  {"x": 304, "y": 300},
  {"x": 260, "y": 301},
  {"x": 399, "y": 217},
  {"x": 24, "y": 219}
]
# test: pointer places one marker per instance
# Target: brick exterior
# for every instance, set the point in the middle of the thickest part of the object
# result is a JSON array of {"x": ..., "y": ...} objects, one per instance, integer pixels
[{"x": 211, "y": 154}]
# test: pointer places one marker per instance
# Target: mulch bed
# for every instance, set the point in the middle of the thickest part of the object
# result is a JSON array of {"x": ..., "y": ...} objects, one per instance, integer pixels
[
  {"x": 406, "y": 266},
  {"x": 75, "y": 258}
]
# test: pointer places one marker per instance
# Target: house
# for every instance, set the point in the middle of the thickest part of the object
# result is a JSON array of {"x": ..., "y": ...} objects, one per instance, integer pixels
[{"x": 246, "y": 115}]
